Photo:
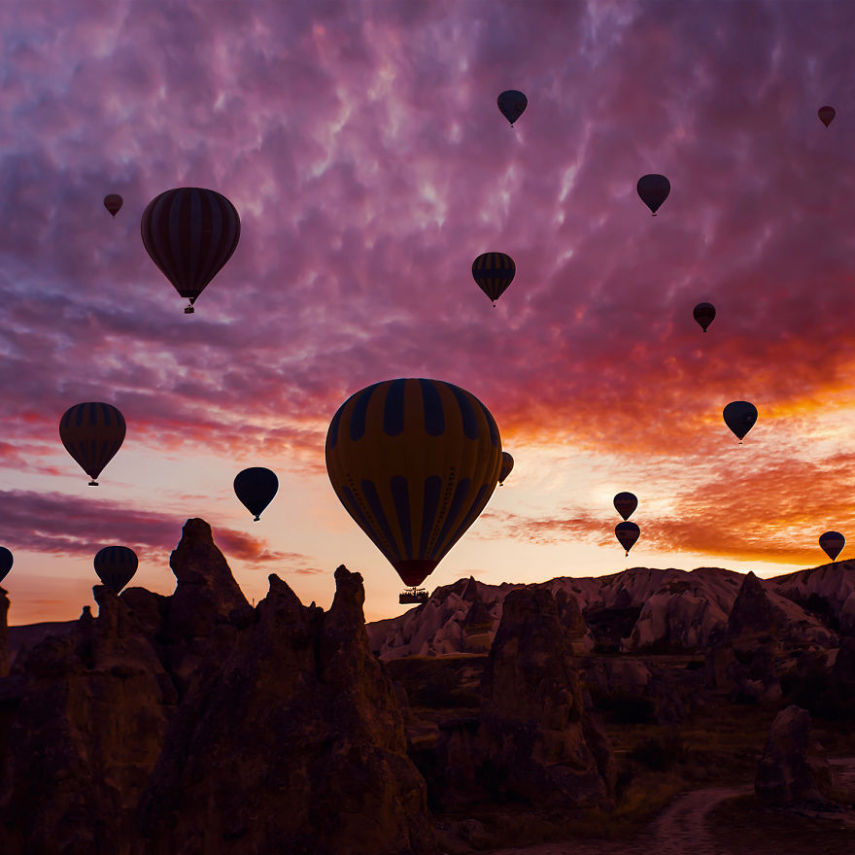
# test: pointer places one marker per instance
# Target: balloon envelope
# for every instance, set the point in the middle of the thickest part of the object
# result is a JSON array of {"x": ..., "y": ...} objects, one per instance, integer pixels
[
  {"x": 113, "y": 203},
  {"x": 493, "y": 271},
  {"x": 740, "y": 417},
  {"x": 507, "y": 466},
  {"x": 256, "y": 487},
  {"x": 654, "y": 190},
  {"x": 190, "y": 233},
  {"x": 826, "y": 114},
  {"x": 5, "y": 562},
  {"x": 704, "y": 314},
  {"x": 627, "y": 533},
  {"x": 115, "y": 566},
  {"x": 512, "y": 103},
  {"x": 414, "y": 462},
  {"x": 92, "y": 433},
  {"x": 625, "y": 504},
  {"x": 831, "y": 541}
]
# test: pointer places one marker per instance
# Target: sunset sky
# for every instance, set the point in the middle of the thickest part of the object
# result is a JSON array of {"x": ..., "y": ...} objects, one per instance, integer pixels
[{"x": 361, "y": 144}]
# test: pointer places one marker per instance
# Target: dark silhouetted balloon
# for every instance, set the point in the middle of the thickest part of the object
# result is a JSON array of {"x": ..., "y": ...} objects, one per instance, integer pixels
[
  {"x": 654, "y": 190},
  {"x": 414, "y": 462},
  {"x": 256, "y": 487},
  {"x": 625, "y": 504},
  {"x": 740, "y": 417},
  {"x": 704, "y": 314},
  {"x": 627, "y": 533},
  {"x": 92, "y": 433},
  {"x": 115, "y": 566},
  {"x": 826, "y": 115},
  {"x": 190, "y": 233},
  {"x": 512, "y": 104},
  {"x": 113, "y": 203},
  {"x": 493, "y": 271},
  {"x": 831, "y": 541},
  {"x": 5, "y": 562},
  {"x": 507, "y": 465}
]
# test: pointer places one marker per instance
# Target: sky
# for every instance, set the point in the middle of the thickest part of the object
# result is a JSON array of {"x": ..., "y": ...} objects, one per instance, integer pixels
[{"x": 361, "y": 143}]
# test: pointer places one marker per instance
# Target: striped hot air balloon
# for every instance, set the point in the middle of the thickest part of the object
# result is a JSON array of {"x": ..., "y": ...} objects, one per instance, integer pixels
[
  {"x": 414, "y": 462},
  {"x": 493, "y": 271},
  {"x": 190, "y": 233},
  {"x": 92, "y": 433},
  {"x": 6, "y": 561},
  {"x": 507, "y": 466},
  {"x": 115, "y": 566}
]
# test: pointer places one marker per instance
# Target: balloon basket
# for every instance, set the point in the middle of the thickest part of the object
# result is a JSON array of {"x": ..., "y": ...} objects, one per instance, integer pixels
[
  {"x": 413, "y": 595},
  {"x": 93, "y": 483},
  {"x": 189, "y": 310}
]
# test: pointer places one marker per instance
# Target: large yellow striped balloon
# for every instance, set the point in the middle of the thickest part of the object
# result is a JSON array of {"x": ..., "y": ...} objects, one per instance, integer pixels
[{"x": 414, "y": 462}]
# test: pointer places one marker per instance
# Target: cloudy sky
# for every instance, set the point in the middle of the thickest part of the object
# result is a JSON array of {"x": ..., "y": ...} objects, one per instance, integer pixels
[{"x": 361, "y": 143}]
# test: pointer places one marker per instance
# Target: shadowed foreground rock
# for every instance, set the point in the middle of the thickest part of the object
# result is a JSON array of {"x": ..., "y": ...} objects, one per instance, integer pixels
[
  {"x": 195, "y": 724},
  {"x": 785, "y": 775},
  {"x": 534, "y": 741}
]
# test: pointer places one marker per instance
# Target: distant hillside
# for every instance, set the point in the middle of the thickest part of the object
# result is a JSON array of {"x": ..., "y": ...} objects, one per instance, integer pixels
[{"x": 635, "y": 610}]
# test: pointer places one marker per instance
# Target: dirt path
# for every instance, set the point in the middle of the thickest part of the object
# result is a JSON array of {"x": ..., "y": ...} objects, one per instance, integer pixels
[{"x": 679, "y": 829}]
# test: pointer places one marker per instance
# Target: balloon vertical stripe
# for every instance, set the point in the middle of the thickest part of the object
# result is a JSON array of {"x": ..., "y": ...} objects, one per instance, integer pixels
[
  {"x": 360, "y": 412},
  {"x": 401, "y": 497},
  {"x": 433, "y": 489},
  {"x": 434, "y": 416},
  {"x": 393, "y": 414}
]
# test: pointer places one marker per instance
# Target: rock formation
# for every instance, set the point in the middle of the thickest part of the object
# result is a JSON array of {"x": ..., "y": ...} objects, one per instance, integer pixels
[
  {"x": 4, "y": 633},
  {"x": 194, "y": 723},
  {"x": 533, "y": 740},
  {"x": 785, "y": 775},
  {"x": 535, "y": 734}
]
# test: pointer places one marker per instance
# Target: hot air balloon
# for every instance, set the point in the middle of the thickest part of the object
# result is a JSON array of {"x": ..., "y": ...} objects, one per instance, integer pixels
[
  {"x": 92, "y": 433},
  {"x": 190, "y": 233},
  {"x": 115, "y": 566},
  {"x": 625, "y": 504},
  {"x": 704, "y": 314},
  {"x": 5, "y": 562},
  {"x": 826, "y": 114},
  {"x": 256, "y": 487},
  {"x": 831, "y": 541},
  {"x": 512, "y": 104},
  {"x": 740, "y": 416},
  {"x": 414, "y": 462},
  {"x": 627, "y": 533},
  {"x": 507, "y": 465},
  {"x": 113, "y": 203},
  {"x": 654, "y": 190},
  {"x": 493, "y": 271}
]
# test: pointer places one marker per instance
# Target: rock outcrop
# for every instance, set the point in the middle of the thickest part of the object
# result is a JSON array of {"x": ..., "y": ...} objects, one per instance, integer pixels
[
  {"x": 4, "y": 633},
  {"x": 535, "y": 734},
  {"x": 785, "y": 775},
  {"x": 194, "y": 723},
  {"x": 533, "y": 740}
]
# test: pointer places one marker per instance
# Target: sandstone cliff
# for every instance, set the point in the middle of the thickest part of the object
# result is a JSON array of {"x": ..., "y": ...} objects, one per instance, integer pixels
[{"x": 196, "y": 724}]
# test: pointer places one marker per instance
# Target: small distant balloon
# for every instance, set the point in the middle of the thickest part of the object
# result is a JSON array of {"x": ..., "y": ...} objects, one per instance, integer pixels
[
  {"x": 627, "y": 533},
  {"x": 512, "y": 103},
  {"x": 507, "y": 465},
  {"x": 704, "y": 314},
  {"x": 113, "y": 203},
  {"x": 115, "y": 566},
  {"x": 493, "y": 271},
  {"x": 653, "y": 190},
  {"x": 256, "y": 487},
  {"x": 740, "y": 417},
  {"x": 5, "y": 562},
  {"x": 92, "y": 433},
  {"x": 826, "y": 115},
  {"x": 831, "y": 541},
  {"x": 625, "y": 504}
]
